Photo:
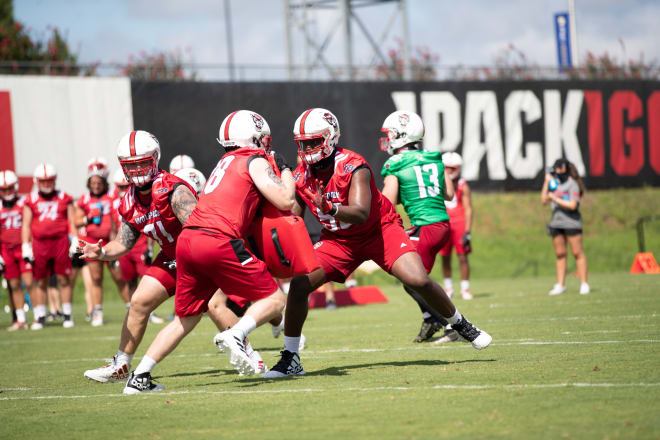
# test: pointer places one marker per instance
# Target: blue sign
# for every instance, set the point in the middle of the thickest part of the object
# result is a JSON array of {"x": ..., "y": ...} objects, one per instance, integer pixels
[{"x": 563, "y": 38}]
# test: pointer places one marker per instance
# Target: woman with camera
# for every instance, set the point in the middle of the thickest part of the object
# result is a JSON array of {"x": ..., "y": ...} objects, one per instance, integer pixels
[{"x": 564, "y": 189}]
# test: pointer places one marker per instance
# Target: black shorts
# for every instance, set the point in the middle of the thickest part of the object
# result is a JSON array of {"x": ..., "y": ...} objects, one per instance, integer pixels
[{"x": 553, "y": 232}]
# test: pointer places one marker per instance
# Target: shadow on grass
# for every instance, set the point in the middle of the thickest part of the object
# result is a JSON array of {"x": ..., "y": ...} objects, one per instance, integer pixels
[{"x": 200, "y": 373}]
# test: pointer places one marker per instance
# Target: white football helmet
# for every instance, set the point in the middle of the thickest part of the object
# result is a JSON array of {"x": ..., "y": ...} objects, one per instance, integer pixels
[
  {"x": 194, "y": 177},
  {"x": 98, "y": 166},
  {"x": 244, "y": 128},
  {"x": 401, "y": 128},
  {"x": 453, "y": 160},
  {"x": 317, "y": 128},
  {"x": 138, "y": 153},
  {"x": 181, "y": 161},
  {"x": 8, "y": 185},
  {"x": 44, "y": 177}
]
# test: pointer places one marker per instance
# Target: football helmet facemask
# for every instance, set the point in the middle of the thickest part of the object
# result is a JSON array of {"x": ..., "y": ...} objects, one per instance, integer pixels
[
  {"x": 138, "y": 153},
  {"x": 401, "y": 128},
  {"x": 316, "y": 132}
]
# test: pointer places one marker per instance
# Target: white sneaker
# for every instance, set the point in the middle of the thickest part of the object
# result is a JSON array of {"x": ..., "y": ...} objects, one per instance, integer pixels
[
  {"x": 113, "y": 372},
  {"x": 277, "y": 329},
  {"x": 256, "y": 357},
  {"x": 155, "y": 319},
  {"x": 17, "y": 326},
  {"x": 449, "y": 291},
  {"x": 231, "y": 342},
  {"x": 97, "y": 318},
  {"x": 37, "y": 325},
  {"x": 350, "y": 283},
  {"x": 557, "y": 290},
  {"x": 477, "y": 337},
  {"x": 68, "y": 323},
  {"x": 584, "y": 289},
  {"x": 466, "y": 294}
]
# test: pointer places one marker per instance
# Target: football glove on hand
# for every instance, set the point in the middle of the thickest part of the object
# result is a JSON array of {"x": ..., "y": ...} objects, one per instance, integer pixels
[
  {"x": 2, "y": 264},
  {"x": 280, "y": 161},
  {"x": 26, "y": 252},
  {"x": 171, "y": 265},
  {"x": 76, "y": 247},
  {"x": 316, "y": 193},
  {"x": 148, "y": 256},
  {"x": 467, "y": 238}
]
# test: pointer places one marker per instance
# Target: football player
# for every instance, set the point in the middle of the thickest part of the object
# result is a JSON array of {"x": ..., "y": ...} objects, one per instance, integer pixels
[
  {"x": 12, "y": 264},
  {"x": 48, "y": 216},
  {"x": 459, "y": 209},
  {"x": 360, "y": 224},
  {"x": 181, "y": 161}
]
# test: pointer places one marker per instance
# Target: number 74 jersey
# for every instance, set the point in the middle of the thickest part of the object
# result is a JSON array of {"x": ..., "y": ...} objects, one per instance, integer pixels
[
  {"x": 155, "y": 219},
  {"x": 421, "y": 176}
]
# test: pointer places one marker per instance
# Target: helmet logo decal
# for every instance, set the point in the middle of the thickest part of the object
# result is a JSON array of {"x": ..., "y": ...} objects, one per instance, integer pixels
[
  {"x": 331, "y": 119},
  {"x": 258, "y": 121},
  {"x": 404, "y": 119}
]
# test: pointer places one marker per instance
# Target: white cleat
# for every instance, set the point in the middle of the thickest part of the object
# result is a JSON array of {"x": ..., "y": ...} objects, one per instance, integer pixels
[
  {"x": 36, "y": 325},
  {"x": 584, "y": 289},
  {"x": 558, "y": 289},
  {"x": 231, "y": 342},
  {"x": 256, "y": 357},
  {"x": 466, "y": 294},
  {"x": 113, "y": 372},
  {"x": 155, "y": 319},
  {"x": 97, "y": 318},
  {"x": 68, "y": 323},
  {"x": 478, "y": 338},
  {"x": 449, "y": 291},
  {"x": 277, "y": 329}
]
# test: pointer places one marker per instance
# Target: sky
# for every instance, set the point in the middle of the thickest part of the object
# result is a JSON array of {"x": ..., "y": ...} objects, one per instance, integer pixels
[{"x": 468, "y": 32}]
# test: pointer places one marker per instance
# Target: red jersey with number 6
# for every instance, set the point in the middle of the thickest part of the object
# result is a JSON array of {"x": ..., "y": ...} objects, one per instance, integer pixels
[
  {"x": 11, "y": 216},
  {"x": 49, "y": 214},
  {"x": 336, "y": 191},
  {"x": 229, "y": 199},
  {"x": 154, "y": 216}
]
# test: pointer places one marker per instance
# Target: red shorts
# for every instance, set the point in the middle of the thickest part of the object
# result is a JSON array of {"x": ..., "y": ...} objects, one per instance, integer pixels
[
  {"x": 14, "y": 263},
  {"x": 51, "y": 255},
  {"x": 161, "y": 272},
  {"x": 456, "y": 231},
  {"x": 132, "y": 264},
  {"x": 429, "y": 239},
  {"x": 207, "y": 261},
  {"x": 340, "y": 257}
]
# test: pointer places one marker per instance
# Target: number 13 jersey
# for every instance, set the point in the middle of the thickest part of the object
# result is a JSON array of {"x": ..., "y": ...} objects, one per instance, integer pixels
[
  {"x": 421, "y": 176},
  {"x": 155, "y": 218}
]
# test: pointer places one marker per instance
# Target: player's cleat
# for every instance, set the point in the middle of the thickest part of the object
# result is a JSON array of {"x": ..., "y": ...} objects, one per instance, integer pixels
[
  {"x": 558, "y": 289},
  {"x": 331, "y": 305},
  {"x": 141, "y": 383},
  {"x": 17, "y": 326},
  {"x": 350, "y": 283},
  {"x": 97, "y": 318},
  {"x": 479, "y": 338},
  {"x": 288, "y": 365},
  {"x": 38, "y": 324},
  {"x": 88, "y": 317},
  {"x": 584, "y": 289},
  {"x": 155, "y": 319},
  {"x": 466, "y": 294},
  {"x": 277, "y": 329},
  {"x": 68, "y": 321},
  {"x": 113, "y": 372},
  {"x": 449, "y": 291},
  {"x": 427, "y": 331},
  {"x": 256, "y": 357},
  {"x": 230, "y": 342},
  {"x": 450, "y": 335}
]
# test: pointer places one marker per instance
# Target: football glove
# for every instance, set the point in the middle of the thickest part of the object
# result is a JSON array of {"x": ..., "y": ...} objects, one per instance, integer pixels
[
  {"x": 466, "y": 241},
  {"x": 26, "y": 252},
  {"x": 280, "y": 161},
  {"x": 171, "y": 265},
  {"x": 316, "y": 193}
]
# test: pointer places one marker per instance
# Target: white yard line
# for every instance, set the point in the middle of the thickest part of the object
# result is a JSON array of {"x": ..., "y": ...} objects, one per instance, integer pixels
[
  {"x": 358, "y": 389},
  {"x": 310, "y": 353}
]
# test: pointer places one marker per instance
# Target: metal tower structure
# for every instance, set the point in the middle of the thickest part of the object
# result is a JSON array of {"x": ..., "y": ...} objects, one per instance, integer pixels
[{"x": 297, "y": 18}]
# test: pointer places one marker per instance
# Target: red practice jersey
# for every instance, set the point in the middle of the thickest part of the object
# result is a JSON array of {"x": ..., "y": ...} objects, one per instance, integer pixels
[
  {"x": 455, "y": 207},
  {"x": 101, "y": 209},
  {"x": 11, "y": 220},
  {"x": 49, "y": 214},
  {"x": 230, "y": 199},
  {"x": 336, "y": 191},
  {"x": 155, "y": 219}
]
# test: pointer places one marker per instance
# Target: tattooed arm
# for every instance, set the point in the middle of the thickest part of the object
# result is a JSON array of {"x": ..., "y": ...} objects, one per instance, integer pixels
[
  {"x": 278, "y": 191},
  {"x": 183, "y": 202},
  {"x": 126, "y": 238}
]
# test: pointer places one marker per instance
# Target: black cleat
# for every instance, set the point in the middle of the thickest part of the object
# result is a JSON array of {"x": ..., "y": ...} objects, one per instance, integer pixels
[
  {"x": 289, "y": 365},
  {"x": 427, "y": 331},
  {"x": 479, "y": 338},
  {"x": 141, "y": 383}
]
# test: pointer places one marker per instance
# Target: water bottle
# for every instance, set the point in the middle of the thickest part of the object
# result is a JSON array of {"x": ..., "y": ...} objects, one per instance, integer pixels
[
  {"x": 97, "y": 218},
  {"x": 553, "y": 184}
]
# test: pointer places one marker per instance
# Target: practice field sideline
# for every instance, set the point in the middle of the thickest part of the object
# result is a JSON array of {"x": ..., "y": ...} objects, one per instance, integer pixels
[{"x": 572, "y": 366}]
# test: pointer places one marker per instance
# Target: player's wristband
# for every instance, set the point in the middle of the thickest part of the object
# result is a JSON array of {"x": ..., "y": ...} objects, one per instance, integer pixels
[{"x": 333, "y": 211}]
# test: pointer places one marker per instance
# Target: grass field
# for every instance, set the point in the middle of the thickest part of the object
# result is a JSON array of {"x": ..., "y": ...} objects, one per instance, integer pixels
[{"x": 570, "y": 366}]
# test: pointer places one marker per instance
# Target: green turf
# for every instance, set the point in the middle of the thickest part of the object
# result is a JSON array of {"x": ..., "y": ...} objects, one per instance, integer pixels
[{"x": 570, "y": 366}]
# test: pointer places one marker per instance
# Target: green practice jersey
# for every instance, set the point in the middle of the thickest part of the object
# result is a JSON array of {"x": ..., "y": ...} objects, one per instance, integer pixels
[{"x": 421, "y": 177}]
